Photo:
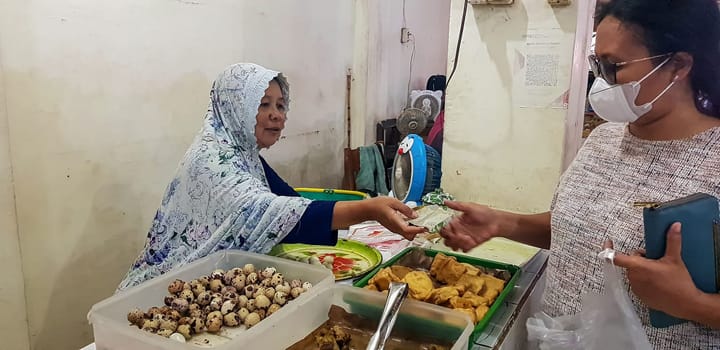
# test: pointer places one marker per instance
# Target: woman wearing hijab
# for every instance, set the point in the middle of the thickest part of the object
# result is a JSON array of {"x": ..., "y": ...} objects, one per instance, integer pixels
[{"x": 225, "y": 196}]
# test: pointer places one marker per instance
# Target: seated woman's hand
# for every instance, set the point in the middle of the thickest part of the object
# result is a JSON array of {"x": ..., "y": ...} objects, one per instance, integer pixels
[
  {"x": 474, "y": 226},
  {"x": 387, "y": 211}
]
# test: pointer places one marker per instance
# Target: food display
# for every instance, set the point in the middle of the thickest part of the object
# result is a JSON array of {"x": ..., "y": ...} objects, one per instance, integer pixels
[
  {"x": 347, "y": 259},
  {"x": 346, "y": 331},
  {"x": 460, "y": 286},
  {"x": 233, "y": 298}
]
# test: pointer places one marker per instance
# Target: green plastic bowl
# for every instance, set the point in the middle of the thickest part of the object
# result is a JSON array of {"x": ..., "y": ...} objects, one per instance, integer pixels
[{"x": 330, "y": 195}]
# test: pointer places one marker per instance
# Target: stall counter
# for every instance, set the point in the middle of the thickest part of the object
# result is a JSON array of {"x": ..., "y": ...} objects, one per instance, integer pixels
[{"x": 506, "y": 331}]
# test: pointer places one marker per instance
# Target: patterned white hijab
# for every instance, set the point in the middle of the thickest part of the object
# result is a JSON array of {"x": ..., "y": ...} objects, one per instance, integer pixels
[{"x": 219, "y": 198}]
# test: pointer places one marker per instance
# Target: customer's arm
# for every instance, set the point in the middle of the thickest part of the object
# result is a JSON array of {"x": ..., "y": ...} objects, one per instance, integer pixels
[
  {"x": 706, "y": 310},
  {"x": 478, "y": 223},
  {"x": 532, "y": 229}
]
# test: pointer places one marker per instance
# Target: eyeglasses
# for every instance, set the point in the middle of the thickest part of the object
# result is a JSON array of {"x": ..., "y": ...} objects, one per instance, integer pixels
[{"x": 608, "y": 70}]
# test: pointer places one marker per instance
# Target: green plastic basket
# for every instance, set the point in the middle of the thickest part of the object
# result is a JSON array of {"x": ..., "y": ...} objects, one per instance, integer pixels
[
  {"x": 482, "y": 324},
  {"x": 330, "y": 195}
]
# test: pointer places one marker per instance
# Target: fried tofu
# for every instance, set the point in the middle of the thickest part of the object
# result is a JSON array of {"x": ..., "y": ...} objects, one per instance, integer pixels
[
  {"x": 493, "y": 282},
  {"x": 469, "y": 312},
  {"x": 471, "y": 270},
  {"x": 449, "y": 283},
  {"x": 438, "y": 264},
  {"x": 442, "y": 295},
  {"x": 476, "y": 300},
  {"x": 461, "y": 303},
  {"x": 419, "y": 283},
  {"x": 493, "y": 287},
  {"x": 480, "y": 312},
  {"x": 383, "y": 279},
  {"x": 447, "y": 269},
  {"x": 470, "y": 283},
  {"x": 490, "y": 294},
  {"x": 400, "y": 271}
]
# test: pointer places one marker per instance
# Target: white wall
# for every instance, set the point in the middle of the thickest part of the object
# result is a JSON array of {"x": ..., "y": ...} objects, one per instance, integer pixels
[
  {"x": 497, "y": 151},
  {"x": 316, "y": 64},
  {"x": 13, "y": 327},
  {"x": 388, "y": 60},
  {"x": 103, "y": 98}
]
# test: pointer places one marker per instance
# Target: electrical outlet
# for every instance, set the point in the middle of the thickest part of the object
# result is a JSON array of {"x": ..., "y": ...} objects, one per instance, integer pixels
[
  {"x": 404, "y": 35},
  {"x": 559, "y": 2},
  {"x": 491, "y": 2}
]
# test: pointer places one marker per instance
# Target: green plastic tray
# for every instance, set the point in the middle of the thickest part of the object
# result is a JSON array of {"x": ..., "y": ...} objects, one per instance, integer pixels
[
  {"x": 482, "y": 324},
  {"x": 407, "y": 323}
]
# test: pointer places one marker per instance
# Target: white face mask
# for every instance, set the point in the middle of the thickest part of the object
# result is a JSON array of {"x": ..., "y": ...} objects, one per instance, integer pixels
[{"x": 616, "y": 103}]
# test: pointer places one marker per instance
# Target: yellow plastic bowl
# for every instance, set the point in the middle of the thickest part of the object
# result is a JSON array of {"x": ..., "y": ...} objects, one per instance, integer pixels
[{"x": 330, "y": 194}]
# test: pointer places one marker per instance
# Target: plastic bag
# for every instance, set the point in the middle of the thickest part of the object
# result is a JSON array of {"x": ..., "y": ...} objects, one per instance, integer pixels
[{"x": 606, "y": 321}]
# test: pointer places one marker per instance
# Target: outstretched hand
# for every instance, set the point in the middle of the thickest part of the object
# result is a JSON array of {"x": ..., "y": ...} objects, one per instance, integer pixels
[
  {"x": 474, "y": 226},
  {"x": 391, "y": 213}
]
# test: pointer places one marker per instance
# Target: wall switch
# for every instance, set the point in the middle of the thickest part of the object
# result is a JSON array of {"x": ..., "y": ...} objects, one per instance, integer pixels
[
  {"x": 559, "y": 2},
  {"x": 404, "y": 35}
]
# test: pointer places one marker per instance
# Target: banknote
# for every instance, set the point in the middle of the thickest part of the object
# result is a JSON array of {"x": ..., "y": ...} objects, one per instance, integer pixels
[{"x": 433, "y": 217}]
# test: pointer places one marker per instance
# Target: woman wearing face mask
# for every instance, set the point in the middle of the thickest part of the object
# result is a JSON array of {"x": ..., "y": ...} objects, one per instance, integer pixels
[
  {"x": 225, "y": 196},
  {"x": 657, "y": 64}
]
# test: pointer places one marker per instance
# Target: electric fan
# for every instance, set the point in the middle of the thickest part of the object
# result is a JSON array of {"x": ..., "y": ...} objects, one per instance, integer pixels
[{"x": 416, "y": 170}]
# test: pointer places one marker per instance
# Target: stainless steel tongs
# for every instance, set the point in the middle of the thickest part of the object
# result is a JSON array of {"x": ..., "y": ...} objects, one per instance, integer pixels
[{"x": 396, "y": 295}]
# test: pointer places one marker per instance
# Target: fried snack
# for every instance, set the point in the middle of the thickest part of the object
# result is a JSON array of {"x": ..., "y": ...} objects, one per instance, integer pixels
[
  {"x": 461, "y": 303},
  {"x": 446, "y": 269},
  {"x": 438, "y": 264},
  {"x": 442, "y": 295},
  {"x": 476, "y": 300},
  {"x": 372, "y": 287},
  {"x": 383, "y": 278},
  {"x": 490, "y": 294},
  {"x": 480, "y": 312},
  {"x": 419, "y": 283},
  {"x": 469, "y": 312},
  {"x": 400, "y": 271},
  {"x": 493, "y": 282},
  {"x": 493, "y": 287},
  {"x": 470, "y": 283},
  {"x": 471, "y": 270},
  {"x": 460, "y": 286}
]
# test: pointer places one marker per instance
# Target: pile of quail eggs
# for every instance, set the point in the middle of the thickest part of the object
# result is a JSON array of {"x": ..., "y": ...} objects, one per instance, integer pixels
[{"x": 240, "y": 296}]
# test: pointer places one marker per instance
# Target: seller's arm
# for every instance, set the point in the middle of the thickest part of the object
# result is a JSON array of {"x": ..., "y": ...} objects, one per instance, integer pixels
[
  {"x": 478, "y": 223},
  {"x": 322, "y": 219},
  {"x": 388, "y": 211}
]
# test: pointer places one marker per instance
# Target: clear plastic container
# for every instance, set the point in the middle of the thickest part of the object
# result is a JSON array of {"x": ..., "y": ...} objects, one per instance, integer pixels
[
  {"x": 415, "y": 317},
  {"x": 109, "y": 317}
]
